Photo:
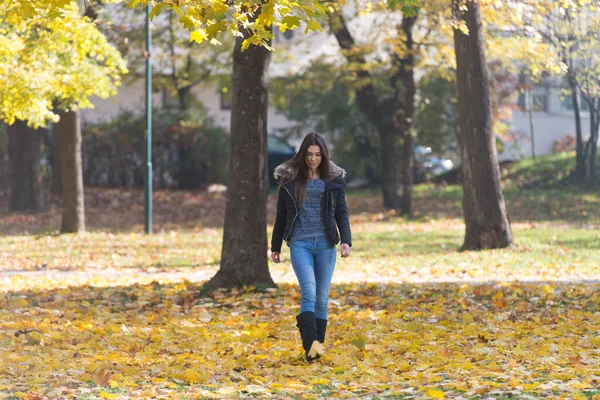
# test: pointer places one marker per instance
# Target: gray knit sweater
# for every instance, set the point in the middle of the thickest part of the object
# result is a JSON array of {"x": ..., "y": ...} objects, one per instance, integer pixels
[{"x": 311, "y": 221}]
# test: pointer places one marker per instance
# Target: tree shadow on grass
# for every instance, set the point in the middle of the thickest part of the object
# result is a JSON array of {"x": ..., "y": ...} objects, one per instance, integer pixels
[{"x": 173, "y": 338}]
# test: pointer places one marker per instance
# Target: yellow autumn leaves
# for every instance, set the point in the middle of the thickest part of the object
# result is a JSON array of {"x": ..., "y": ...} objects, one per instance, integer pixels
[
  {"x": 423, "y": 340},
  {"x": 48, "y": 60}
]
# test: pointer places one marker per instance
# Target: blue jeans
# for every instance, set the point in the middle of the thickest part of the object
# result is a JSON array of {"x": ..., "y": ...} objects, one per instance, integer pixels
[{"x": 313, "y": 262}]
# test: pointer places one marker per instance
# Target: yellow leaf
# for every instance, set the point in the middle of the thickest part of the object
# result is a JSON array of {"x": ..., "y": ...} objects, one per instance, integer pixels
[
  {"x": 514, "y": 382},
  {"x": 529, "y": 386},
  {"x": 436, "y": 394},
  {"x": 193, "y": 376},
  {"x": 582, "y": 385},
  {"x": 198, "y": 36},
  {"x": 106, "y": 395},
  {"x": 547, "y": 289},
  {"x": 493, "y": 367}
]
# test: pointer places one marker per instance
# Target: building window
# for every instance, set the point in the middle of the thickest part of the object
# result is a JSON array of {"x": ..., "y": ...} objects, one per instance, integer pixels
[
  {"x": 537, "y": 98},
  {"x": 566, "y": 103},
  {"x": 522, "y": 102},
  {"x": 540, "y": 102}
]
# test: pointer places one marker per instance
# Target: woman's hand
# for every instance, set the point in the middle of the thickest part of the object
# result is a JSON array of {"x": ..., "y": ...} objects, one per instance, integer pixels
[
  {"x": 275, "y": 257},
  {"x": 345, "y": 250}
]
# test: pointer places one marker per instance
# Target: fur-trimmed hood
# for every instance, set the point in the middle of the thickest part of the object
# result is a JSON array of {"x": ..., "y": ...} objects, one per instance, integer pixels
[{"x": 287, "y": 173}]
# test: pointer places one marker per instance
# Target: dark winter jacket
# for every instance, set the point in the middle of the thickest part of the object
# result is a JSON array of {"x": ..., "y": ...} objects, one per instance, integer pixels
[{"x": 334, "y": 201}]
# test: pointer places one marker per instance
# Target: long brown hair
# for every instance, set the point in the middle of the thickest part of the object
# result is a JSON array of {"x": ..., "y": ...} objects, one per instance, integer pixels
[{"x": 298, "y": 164}]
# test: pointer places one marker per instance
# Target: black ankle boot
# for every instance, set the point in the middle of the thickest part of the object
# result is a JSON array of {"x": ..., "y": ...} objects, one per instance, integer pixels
[
  {"x": 308, "y": 332},
  {"x": 321, "y": 328}
]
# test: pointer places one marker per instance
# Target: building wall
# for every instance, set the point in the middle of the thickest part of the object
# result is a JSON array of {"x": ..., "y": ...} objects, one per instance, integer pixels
[
  {"x": 547, "y": 129},
  {"x": 553, "y": 119},
  {"x": 132, "y": 97}
]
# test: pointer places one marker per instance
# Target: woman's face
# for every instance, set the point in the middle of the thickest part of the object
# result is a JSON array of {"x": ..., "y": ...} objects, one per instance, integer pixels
[{"x": 313, "y": 157}]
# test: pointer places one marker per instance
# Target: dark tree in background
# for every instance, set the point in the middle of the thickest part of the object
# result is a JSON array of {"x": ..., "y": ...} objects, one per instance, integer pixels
[
  {"x": 392, "y": 114},
  {"x": 24, "y": 149},
  {"x": 68, "y": 129},
  {"x": 244, "y": 253},
  {"x": 486, "y": 218}
]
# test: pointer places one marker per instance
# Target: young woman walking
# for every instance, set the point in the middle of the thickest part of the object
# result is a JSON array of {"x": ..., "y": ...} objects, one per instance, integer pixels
[{"x": 312, "y": 218}]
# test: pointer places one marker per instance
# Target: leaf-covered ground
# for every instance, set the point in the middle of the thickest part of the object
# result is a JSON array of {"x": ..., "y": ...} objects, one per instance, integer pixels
[
  {"x": 118, "y": 314},
  {"x": 385, "y": 341}
]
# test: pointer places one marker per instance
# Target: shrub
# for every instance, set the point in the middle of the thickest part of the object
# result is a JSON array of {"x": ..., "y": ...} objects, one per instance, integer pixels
[{"x": 188, "y": 150}]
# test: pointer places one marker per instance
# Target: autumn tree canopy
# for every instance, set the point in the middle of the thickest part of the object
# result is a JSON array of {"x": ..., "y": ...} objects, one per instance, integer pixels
[{"x": 50, "y": 60}]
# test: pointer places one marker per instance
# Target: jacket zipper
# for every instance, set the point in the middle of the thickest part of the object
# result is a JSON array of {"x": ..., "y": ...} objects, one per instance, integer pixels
[
  {"x": 333, "y": 216},
  {"x": 295, "y": 216}
]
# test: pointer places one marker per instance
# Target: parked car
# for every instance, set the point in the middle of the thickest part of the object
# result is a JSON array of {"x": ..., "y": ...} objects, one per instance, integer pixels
[
  {"x": 278, "y": 151},
  {"x": 428, "y": 166}
]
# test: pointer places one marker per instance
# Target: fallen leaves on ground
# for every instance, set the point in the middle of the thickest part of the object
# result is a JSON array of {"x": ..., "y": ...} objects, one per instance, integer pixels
[{"x": 385, "y": 340}]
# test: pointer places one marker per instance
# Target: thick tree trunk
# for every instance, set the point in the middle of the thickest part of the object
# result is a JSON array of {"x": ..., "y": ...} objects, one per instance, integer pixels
[
  {"x": 244, "y": 252},
  {"x": 579, "y": 155},
  {"x": 407, "y": 111},
  {"x": 24, "y": 150},
  {"x": 407, "y": 173},
  {"x": 486, "y": 218},
  {"x": 73, "y": 215},
  {"x": 591, "y": 146}
]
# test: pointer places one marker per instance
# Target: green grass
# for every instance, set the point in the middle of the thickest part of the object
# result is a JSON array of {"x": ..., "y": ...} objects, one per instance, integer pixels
[{"x": 555, "y": 229}]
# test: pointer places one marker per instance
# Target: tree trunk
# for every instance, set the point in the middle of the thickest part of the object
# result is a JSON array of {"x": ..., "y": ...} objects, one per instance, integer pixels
[
  {"x": 407, "y": 174},
  {"x": 244, "y": 252},
  {"x": 579, "y": 155},
  {"x": 486, "y": 218},
  {"x": 591, "y": 146},
  {"x": 407, "y": 110},
  {"x": 24, "y": 150},
  {"x": 391, "y": 174},
  {"x": 73, "y": 215}
]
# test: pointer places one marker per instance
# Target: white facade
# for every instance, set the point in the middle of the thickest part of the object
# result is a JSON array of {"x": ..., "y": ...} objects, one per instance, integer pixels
[
  {"x": 553, "y": 119},
  {"x": 132, "y": 97}
]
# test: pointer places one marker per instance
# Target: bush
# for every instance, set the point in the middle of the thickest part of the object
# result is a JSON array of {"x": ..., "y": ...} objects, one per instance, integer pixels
[
  {"x": 567, "y": 143},
  {"x": 188, "y": 151}
]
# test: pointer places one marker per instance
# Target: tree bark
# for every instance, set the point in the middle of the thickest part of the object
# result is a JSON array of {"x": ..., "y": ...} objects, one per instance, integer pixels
[
  {"x": 73, "y": 213},
  {"x": 486, "y": 218},
  {"x": 408, "y": 90},
  {"x": 391, "y": 174},
  {"x": 591, "y": 146},
  {"x": 244, "y": 253},
  {"x": 579, "y": 155},
  {"x": 24, "y": 150}
]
